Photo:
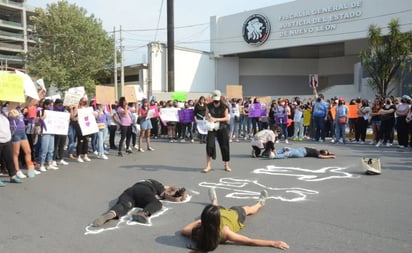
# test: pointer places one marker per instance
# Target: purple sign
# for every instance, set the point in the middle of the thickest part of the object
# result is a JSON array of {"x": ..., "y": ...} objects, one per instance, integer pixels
[
  {"x": 256, "y": 110},
  {"x": 186, "y": 115}
]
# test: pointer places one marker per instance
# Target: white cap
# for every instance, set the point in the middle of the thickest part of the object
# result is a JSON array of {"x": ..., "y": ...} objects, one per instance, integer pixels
[{"x": 216, "y": 95}]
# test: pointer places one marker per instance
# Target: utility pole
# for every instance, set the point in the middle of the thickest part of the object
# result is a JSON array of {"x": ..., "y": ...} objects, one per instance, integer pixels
[
  {"x": 116, "y": 89},
  {"x": 170, "y": 47},
  {"x": 121, "y": 64}
]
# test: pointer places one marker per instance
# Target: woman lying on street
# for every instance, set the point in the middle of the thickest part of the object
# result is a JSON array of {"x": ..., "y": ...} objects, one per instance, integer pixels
[{"x": 219, "y": 224}]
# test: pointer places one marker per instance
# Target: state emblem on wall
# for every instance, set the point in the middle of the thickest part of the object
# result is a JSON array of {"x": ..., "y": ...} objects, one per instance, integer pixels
[{"x": 256, "y": 30}]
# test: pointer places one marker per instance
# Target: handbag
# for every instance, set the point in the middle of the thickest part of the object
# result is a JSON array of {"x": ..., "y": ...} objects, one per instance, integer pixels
[
  {"x": 101, "y": 126},
  {"x": 342, "y": 120},
  {"x": 372, "y": 166}
]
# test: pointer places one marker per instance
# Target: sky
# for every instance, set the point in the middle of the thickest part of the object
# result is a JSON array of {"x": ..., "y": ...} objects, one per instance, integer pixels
[{"x": 144, "y": 21}]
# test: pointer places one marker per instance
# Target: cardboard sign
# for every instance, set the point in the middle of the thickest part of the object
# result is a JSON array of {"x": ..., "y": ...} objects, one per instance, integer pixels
[
  {"x": 11, "y": 87},
  {"x": 353, "y": 111},
  {"x": 56, "y": 122},
  {"x": 179, "y": 96},
  {"x": 169, "y": 114},
  {"x": 105, "y": 95},
  {"x": 156, "y": 110},
  {"x": 234, "y": 91},
  {"x": 133, "y": 93},
  {"x": 257, "y": 110},
  {"x": 87, "y": 121}
]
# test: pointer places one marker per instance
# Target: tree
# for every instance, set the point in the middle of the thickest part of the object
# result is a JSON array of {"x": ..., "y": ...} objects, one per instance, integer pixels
[
  {"x": 387, "y": 56},
  {"x": 72, "y": 49}
]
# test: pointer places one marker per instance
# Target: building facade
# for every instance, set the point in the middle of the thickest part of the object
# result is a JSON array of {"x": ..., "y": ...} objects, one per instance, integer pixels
[
  {"x": 15, "y": 33},
  {"x": 274, "y": 50}
]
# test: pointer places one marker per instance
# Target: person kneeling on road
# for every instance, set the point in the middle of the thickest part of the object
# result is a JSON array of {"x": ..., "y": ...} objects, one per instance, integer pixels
[
  {"x": 264, "y": 139},
  {"x": 145, "y": 194}
]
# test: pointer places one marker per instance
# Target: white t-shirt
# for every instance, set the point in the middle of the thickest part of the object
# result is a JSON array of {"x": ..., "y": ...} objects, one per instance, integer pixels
[{"x": 5, "y": 134}]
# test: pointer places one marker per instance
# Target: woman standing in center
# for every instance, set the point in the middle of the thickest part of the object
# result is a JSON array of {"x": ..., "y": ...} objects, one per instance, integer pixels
[
  {"x": 217, "y": 112},
  {"x": 145, "y": 125},
  {"x": 125, "y": 125}
]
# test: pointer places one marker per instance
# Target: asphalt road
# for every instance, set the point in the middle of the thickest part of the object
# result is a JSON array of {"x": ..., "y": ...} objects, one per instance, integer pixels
[{"x": 315, "y": 205}]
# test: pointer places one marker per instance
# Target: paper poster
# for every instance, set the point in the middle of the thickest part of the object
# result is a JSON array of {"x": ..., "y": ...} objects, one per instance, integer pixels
[
  {"x": 179, "y": 96},
  {"x": 29, "y": 87},
  {"x": 54, "y": 97},
  {"x": 255, "y": 110},
  {"x": 11, "y": 87},
  {"x": 56, "y": 122},
  {"x": 73, "y": 95},
  {"x": 169, "y": 114},
  {"x": 133, "y": 93},
  {"x": 234, "y": 91},
  {"x": 150, "y": 113},
  {"x": 156, "y": 110},
  {"x": 313, "y": 81},
  {"x": 105, "y": 95},
  {"x": 87, "y": 121},
  {"x": 353, "y": 111},
  {"x": 202, "y": 126}
]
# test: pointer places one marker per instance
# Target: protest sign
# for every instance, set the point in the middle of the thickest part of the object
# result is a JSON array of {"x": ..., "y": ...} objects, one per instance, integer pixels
[
  {"x": 105, "y": 95},
  {"x": 202, "y": 126},
  {"x": 87, "y": 121},
  {"x": 313, "y": 81},
  {"x": 353, "y": 111},
  {"x": 179, "y": 96},
  {"x": 186, "y": 116},
  {"x": 234, "y": 91},
  {"x": 255, "y": 110},
  {"x": 29, "y": 87},
  {"x": 156, "y": 111},
  {"x": 54, "y": 97},
  {"x": 73, "y": 95},
  {"x": 133, "y": 93},
  {"x": 169, "y": 114},
  {"x": 56, "y": 122},
  {"x": 11, "y": 87}
]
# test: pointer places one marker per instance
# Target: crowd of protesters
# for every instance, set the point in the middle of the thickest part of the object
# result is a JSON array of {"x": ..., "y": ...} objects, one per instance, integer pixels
[{"x": 25, "y": 146}]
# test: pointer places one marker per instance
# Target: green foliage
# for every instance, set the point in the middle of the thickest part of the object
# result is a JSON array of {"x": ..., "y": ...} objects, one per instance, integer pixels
[
  {"x": 386, "y": 57},
  {"x": 72, "y": 48}
]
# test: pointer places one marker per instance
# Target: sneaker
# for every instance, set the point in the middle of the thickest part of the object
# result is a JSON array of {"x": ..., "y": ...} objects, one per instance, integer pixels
[
  {"x": 63, "y": 162},
  {"x": 253, "y": 153},
  {"x": 401, "y": 146},
  {"x": 182, "y": 140},
  {"x": 136, "y": 147},
  {"x": 378, "y": 144},
  {"x": 286, "y": 141},
  {"x": 51, "y": 167},
  {"x": 42, "y": 168},
  {"x": 277, "y": 141},
  {"x": 37, "y": 172},
  {"x": 300, "y": 139},
  {"x": 54, "y": 163},
  {"x": 372, "y": 143},
  {"x": 20, "y": 174},
  {"x": 212, "y": 194},
  {"x": 388, "y": 144},
  {"x": 194, "y": 140},
  {"x": 295, "y": 139},
  {"x": 150, "y": 149},
  {"x": 272, "y": 155},
  {"x": 87, "y": 159},
  {"x": 129, "y": 151},
  {"x": 104, "y": 218},
  {"x": 120, "y": 154},
  {"x": 361, "y": 142},
  {"x": 15, "y": 180},
  {"x": 2, "y": 184},
  {"x": 321, "y": 140},
  {"x": 140, "y": 217},
  {"x": 104, "y": 157},
  {"x": 141, "y": 150},
  {"x": 31, "y": 173},
  {"x": 262, "y": 198},
  {"x": 80, "y": 160},
  {"x": 95, "y": 152}
]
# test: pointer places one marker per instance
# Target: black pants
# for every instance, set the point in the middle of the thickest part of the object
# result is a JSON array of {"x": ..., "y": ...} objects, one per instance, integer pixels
[
  {"x": 155, "y": 127},
  {"x": 223, "y": 139},
  {"x": 82, "y": 141},
  {"x": 112, "y": 135},
  {"x": 125, "y": 133},
  {"x": 6, "y": 154},
  {"x": 269, "y": 146},
  {"x": 59, "y": 142},
  {"x": 402, "y": 130},
  {"x": 145, "y": 198},
  {"x": 362, "y": 126},
  {"x": 386, "y": 130}
]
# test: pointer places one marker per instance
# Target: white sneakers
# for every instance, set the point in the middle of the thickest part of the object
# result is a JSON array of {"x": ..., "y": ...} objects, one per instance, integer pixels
[
  {"x": 52, "y": 167},
  {"x": 104, "y": 157},
  {"x": 20, "y": 174},
  {"x": 63, "y": 162}
]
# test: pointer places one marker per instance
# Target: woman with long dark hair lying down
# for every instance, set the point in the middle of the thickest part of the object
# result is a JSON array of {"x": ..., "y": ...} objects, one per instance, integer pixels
[{"x": 218, "y": 225}]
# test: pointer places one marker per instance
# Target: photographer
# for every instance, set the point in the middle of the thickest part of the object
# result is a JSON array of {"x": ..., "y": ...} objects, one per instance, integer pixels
[{"x": 145, "y": 194}]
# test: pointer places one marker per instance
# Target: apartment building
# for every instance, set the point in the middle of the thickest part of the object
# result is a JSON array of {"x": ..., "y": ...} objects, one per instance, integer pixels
[{"x": 15, "y": 33}]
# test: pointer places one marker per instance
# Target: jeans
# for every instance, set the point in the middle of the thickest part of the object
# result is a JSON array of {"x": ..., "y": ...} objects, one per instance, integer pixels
[
  {"x": 291, "y": 153},
  {"x": 94, "y": 142},
  {"x": 72, "y": 139},
  {"x": 298, "y": 133},
  {"x": 47, "y": 148},
  {"x": 284, "y": 131},
  {"x": 319, "y": 124},
  {"x": 101, "y": 136},
  {"x": 340, "y": 132}
]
